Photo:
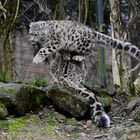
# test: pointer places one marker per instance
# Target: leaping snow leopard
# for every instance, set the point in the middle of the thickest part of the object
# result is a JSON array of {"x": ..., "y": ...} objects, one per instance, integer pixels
[{"x": 72, "y": 43}]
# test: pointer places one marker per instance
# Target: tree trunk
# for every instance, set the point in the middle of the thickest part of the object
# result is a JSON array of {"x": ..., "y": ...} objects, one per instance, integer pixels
[
  {"x": 11, "y": 8},
  {"x": 134, "y": 37},
  {"x": 119, "y": 64}
]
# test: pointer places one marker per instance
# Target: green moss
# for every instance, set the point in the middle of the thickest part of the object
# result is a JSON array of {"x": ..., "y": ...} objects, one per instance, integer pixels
[
  {"x": 3, "y": 125},
  {"x": 2, "y": 105},
  {"x": 34, "y": 92},
  {"x": 61, "y": 116},
  {"x": 51, "y": 120},
  {"x": 51, "y": 124},
  {"x": 49, "y": 130},
  {"x": 32, "y": 89},
  {"x": 8, "y": 90},
  {"x": 29, "y": 124},
  {"x": 72, "y": 122},
  {"x": 16, "y": 125},
  {"x": 30, "y": 118},
  {"x": 106, "y": 101},
  {"x": 3, "y": 111}
]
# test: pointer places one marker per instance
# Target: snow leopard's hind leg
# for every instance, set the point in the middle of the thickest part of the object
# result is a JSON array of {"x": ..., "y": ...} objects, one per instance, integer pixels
[
  {"x": 98, "y": 114},
  {"x": 72, "y": 74}
]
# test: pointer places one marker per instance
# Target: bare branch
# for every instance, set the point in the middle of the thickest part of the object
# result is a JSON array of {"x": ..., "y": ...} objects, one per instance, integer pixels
[{"x": 3, "y": 10}]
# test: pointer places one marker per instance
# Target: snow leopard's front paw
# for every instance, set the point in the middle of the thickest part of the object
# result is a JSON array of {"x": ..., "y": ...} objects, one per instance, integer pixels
[{"x": 40, "y": 56}]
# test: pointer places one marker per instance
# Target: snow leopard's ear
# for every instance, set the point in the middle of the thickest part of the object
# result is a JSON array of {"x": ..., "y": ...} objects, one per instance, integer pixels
[{"x": 42, "y": 25}]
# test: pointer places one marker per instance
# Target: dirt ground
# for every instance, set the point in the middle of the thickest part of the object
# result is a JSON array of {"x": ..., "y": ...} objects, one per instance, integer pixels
[{"x": 52, "y": 125}]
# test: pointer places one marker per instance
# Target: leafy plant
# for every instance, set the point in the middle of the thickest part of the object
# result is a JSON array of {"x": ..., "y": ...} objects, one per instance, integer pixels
[{"x": 39, "y": 82}]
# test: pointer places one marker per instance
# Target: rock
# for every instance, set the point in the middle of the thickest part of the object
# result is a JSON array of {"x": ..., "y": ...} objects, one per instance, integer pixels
[
  {"x": 97, "y": 89},
  {"x": 20, "y": 98},
  {"x": 89, "y": 123},
  {"x": 8, "y": 92},
  {"x": 102, "y": 95},
  {"x": 70, "y": 128},
  {"x": 30, "y": 98},
  {"x": 122, "y": 132},
  {"x": 63, "y": 99},
  {"x": 3, "y": 111},
  {"x": 133, "y": 103},
  {"x": 83, "y": 135},
  {"x": 124, "y": 137},
  {"x": 119, "y": 131}
]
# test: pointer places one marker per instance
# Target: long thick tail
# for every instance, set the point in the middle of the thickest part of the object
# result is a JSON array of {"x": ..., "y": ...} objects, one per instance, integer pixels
[{"x": 108, "y": 41}]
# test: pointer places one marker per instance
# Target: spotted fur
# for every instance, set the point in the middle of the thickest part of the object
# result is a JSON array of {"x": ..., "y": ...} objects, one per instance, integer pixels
[
  {"x": 75, "y": 39},
  {"x": 72, "y": 75},
  {"x": 72, "y": 43}
]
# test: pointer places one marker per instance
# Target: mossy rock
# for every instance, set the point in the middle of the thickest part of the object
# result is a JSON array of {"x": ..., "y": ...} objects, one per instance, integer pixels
[
  {"x": 97, "y": 89},
  {"x": 66, "y": 101},
  {"x": 7, "y": 97},
  {"x": 3, "y": 111},
  {"x": 8, "y": 92},
  {"x": 29, "y": 99}
]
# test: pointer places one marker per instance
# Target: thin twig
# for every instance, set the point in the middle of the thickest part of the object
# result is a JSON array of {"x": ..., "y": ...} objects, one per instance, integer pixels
[
  {"x": 86, "y": 11},
  {"x": 25, "y": 11},
  {"x": 27, "y": 73}
]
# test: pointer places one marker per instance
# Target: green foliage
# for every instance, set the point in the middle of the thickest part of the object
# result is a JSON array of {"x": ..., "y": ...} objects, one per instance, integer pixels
[
  {"x": 51, "y": 124},
  {"x": 16, "y": 125},
  {"x": 72, "y": 122},
  {"x": 51, "y": 120},
  {"x": 49, "y": 130},
  {"x": 106, "y": 101},
  {"x": 8, "y": 90},
  {"x": 39, "y": 82},
  {"x": 29, "y": 88},
  {"x": 3, "y": 111}
]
